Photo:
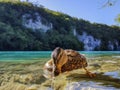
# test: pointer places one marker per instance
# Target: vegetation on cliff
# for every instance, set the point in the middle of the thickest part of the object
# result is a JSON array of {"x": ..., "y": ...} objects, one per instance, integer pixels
[{"x": 15, "y": 36}]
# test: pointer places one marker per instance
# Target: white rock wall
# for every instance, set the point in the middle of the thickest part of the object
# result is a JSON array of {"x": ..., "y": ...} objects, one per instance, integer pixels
[
  {"x": 112, "y": 43},
  {"x": 90, "y": 43},
  {"x": 35, "y": 24}
]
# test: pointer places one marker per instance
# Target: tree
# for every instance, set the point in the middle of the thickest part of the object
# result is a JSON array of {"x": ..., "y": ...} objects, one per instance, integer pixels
[
  {"x": 110, "y": 3},
  {"x": 117, "y": 19}
]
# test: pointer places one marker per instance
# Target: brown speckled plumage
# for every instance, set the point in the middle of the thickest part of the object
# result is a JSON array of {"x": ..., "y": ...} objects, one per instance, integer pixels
[
  {"x": 75, "y": 61},
  {"x": 65, "y": 60}
]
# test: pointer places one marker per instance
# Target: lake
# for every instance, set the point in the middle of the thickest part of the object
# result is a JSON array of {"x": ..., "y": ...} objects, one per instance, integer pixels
[
  {"x": 38, "y": 55},
  {"x": 22, "y": 70}
]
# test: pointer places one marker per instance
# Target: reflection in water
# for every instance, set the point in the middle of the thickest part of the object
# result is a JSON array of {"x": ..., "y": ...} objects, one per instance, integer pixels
[
  {"x": 83, "y": 85},
  {"x": 114, "y": 74},
  {"x": 73, "y": 86}
]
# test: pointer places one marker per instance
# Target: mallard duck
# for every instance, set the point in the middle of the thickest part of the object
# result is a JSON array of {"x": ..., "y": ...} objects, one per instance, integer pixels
[{"x": 65, "y": 60}]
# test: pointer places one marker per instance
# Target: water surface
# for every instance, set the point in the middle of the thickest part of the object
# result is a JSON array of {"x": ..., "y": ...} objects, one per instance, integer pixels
[
  {"x": 36, "y": 55},
  {"x": 25, "y": 68}
]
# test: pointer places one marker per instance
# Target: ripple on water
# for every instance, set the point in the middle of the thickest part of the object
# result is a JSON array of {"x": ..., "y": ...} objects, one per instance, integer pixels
[
  {"x": 88, "y": 85},
  {"x": 116, "y": 56}
]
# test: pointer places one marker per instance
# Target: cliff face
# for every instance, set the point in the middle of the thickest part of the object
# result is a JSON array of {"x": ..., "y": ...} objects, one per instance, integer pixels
[
  {"x": 90, "y": 43},
  {"x": 29, "y": 22},
  {"x": 24, "y": 26}
]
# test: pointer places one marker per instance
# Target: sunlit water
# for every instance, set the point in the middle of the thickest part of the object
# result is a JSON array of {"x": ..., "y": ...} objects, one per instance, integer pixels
[
  {"x": 36, "y": 55},
  {"x": 32, "y": 56}
]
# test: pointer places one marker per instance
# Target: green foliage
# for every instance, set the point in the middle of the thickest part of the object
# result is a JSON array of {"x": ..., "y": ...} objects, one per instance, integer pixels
[
  {"x": 117, "y": 19},
  {"x": 65, "y": 41},
  {"x": 14, "y": 36}
]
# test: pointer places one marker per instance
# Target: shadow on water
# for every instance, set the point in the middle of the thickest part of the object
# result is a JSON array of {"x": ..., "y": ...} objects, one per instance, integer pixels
[
  {"x": 83, "y": 82},
  {"x": 104, "y": 79}
]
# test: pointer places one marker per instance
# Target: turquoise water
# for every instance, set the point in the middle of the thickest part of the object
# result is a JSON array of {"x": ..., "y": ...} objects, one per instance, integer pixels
[
  {"x": 98, "y": 60},
  {"x": 23, "y": 55},
  {"x": 37, "y": 55},
  {"x": 100, "y": 53}
]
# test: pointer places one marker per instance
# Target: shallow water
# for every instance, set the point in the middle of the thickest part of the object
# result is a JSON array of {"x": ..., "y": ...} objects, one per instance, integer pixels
[
  {"x": 24, "y": 70},
  {"x": 114, "y": 74},
  {"x": 83, "y": 85}
]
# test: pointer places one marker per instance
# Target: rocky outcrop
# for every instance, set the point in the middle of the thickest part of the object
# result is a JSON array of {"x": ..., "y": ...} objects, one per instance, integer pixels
[
  {"x": 36, "y": 22},
  {"x": 113, "y": 45},
  {"x": 90, "y": 43}
]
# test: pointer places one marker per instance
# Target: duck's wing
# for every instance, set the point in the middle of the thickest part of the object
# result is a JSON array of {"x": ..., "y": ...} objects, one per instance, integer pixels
[{"x": 75, "y": 61}]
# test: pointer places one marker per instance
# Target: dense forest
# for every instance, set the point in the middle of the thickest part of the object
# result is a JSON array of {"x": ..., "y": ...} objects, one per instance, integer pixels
[{"x": 16, "y": 35}]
